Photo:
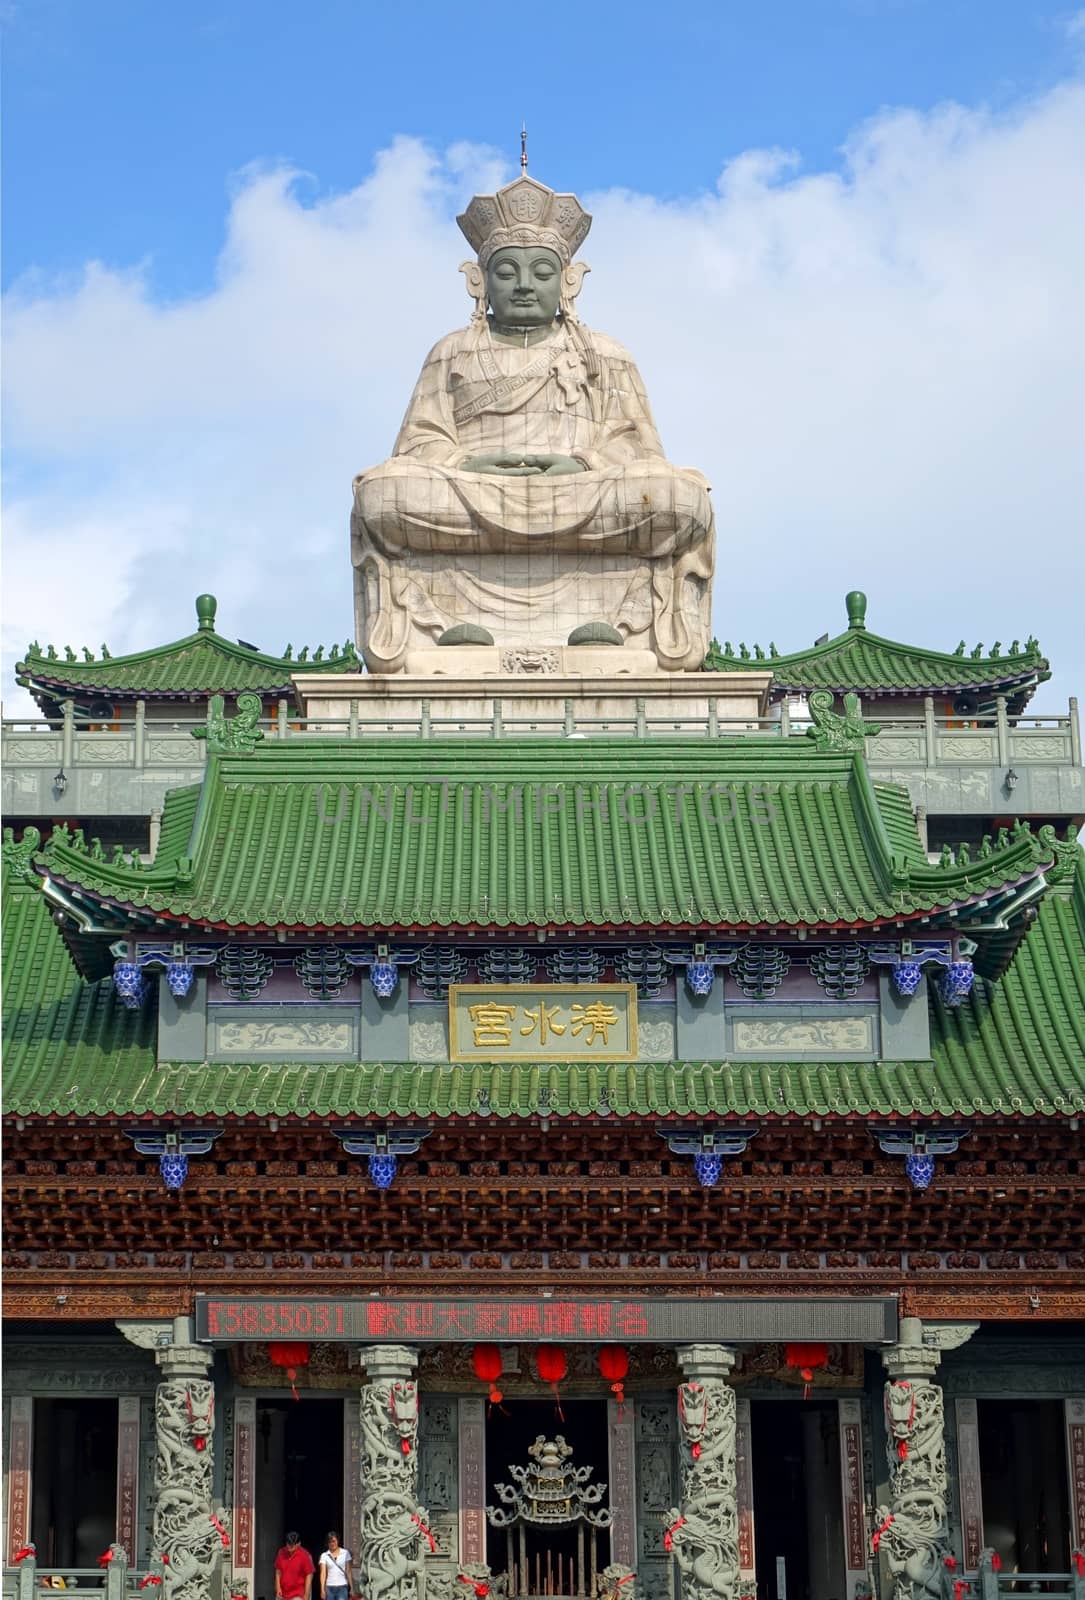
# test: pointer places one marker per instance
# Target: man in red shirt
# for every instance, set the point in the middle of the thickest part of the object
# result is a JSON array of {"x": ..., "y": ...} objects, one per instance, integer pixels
[{"x": 293, "y": 1570}]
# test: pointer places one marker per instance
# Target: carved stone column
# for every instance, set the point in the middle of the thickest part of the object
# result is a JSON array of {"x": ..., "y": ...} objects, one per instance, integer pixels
[
  {"x": 703, "y": 1534},
  {"x": 912, "y": 1532},
  {"x": 393, "y": 1544},
  {"x": 188, "y": 1532}
]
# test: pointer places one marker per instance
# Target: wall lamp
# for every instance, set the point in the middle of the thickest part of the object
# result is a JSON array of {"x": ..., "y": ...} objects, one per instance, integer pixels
[
  {"x": 1011, "y": 780},
  {"x": 60, "y": 782}
]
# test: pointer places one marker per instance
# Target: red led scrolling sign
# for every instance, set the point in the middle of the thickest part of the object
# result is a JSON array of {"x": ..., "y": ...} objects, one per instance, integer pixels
[{"x": 230, "y": 1320}]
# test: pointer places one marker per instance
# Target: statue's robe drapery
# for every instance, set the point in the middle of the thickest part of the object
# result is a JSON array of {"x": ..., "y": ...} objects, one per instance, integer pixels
[{"x": 627, "y": 541}]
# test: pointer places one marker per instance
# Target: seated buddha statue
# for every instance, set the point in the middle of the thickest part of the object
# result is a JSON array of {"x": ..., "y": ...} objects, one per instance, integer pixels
[{"x": 528, "y": 495}]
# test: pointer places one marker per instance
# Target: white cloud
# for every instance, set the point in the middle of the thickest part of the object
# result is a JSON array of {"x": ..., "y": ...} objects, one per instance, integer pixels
[{"x": 880, "y": 369}]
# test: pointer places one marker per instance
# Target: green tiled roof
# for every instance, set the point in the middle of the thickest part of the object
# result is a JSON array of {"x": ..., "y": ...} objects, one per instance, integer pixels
[
  {"x": 1016, "y": 1048},
  {"x": 1024, "y": 1035},
  {"x": 462, "y": 832},
  {"x": 202, "y": 663},
  {"x": 73, "y": 1037},
  {"x": 869, "y": 664},
  {"x": 676, "y": 1089}
]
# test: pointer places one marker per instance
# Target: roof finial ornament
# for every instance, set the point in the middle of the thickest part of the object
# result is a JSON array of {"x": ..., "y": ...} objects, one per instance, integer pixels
[{"x": 523, "y": 147}]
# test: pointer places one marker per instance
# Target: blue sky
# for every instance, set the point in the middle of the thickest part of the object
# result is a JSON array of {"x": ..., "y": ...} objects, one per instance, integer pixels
[
  {"x": 845, "y": 240},
  {"x": 125, "y": 119}
]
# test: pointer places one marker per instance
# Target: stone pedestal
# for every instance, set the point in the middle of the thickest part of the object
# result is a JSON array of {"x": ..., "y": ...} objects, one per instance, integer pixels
[{"x": 461, "y": 690}]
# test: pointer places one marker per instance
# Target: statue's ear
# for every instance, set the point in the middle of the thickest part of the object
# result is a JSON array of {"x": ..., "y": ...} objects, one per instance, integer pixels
[
  {"x": 572, "y": 280},
  {"x": 475, "y": 279}
]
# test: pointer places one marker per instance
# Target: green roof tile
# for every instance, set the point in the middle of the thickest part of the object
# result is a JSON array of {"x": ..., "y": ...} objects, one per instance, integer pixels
[
  {"x": 386, "y": 833},
  {"x": 65, "y": 1041},
  {"x": 1021, "y": 1041},
  {"x": 202, "y": 663},
  {"x": 869, "y": 664}
]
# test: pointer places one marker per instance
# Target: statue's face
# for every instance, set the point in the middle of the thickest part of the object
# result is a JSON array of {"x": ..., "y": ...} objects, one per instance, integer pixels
[{"x": 524, "y": 287}]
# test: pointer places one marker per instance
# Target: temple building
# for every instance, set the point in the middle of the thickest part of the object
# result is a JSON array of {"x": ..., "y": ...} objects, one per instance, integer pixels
[{"x": 581, "y": 1109}]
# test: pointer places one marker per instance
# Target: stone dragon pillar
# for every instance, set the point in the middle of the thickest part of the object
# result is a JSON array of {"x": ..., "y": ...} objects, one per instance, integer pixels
[
  {"x": 703, "y": 1534},
  {"x": 189, "y": 1535},
  {"x": 394, "y": 1537},
  {"x": 912, "y": 1531}
]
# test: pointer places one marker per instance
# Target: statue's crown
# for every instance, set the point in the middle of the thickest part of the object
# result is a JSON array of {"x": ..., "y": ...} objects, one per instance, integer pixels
[{"x": 525, "y": 212}]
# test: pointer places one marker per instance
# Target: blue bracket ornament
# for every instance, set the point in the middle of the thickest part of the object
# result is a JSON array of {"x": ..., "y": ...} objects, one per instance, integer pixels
[
  {"x": 383, "y": 1149},
  {"x": 708, "y": 1147},
  {"x": 173, "y": 1149},
  {"x": 919, "y": 1147},
  {"x": 700, "y": 962},
  {"x": 908, "y": 958},
  {"x": 384, "y": 964},
  {"x": 955, "y": 983},
  {"x": 178, "y": 960},
  {"x": 128, "y": 984}
]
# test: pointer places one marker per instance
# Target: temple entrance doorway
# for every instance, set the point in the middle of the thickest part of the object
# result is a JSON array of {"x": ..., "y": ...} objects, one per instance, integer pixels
[
  {"x": 1023, "y": 1483},
  {"x": 797, "y": 1500},
  {"x": 298, "y": 1481},
  {"x": 74, "y": 1506},
  {"x": 553, "y": 1559}
]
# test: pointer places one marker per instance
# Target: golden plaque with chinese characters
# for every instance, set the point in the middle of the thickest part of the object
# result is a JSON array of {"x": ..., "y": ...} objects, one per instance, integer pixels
[{"x": 542, "y": 1021}]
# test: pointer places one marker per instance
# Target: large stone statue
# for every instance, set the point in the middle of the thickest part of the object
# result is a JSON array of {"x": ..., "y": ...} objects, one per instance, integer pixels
[{"x": 528, "y": 496}]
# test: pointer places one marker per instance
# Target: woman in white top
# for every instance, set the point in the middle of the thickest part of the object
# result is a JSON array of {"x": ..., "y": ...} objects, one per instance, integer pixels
[{"x": 336, "y": 1571}]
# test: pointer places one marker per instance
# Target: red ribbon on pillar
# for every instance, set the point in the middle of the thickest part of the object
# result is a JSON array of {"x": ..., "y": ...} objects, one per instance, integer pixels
[
  {"x": 668, "y": 1537},
  {"x": 103, "y": 1561},
  {"x": 27, "y": 1550},
  {"x": 1079, "y": 1563},
  {"x": 876, "y": 1536},
  {"x": 422, "y": 1527},
  {"x": 223, "y": 1535}
]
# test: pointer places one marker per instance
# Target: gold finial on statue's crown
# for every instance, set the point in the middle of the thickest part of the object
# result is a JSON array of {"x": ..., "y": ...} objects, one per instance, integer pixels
[{"x": 525, "y": 213}]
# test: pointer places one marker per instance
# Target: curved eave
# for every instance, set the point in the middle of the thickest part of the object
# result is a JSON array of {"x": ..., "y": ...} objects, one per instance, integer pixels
[{"x": 482, "y": 1093}]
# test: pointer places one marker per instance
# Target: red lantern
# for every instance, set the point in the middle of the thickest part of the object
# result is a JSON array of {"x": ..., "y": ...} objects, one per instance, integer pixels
[
  {"x": 553, "y": 1364},
  {"x": 290, "y": 1356},
  {"x": 613, "y": 1366},
  {"x": 486, "y": 1362},
  {"x": 807, "y": 1358}
]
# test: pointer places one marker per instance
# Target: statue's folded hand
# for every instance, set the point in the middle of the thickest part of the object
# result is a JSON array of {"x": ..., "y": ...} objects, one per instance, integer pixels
[{"x": 512, "y": 465}]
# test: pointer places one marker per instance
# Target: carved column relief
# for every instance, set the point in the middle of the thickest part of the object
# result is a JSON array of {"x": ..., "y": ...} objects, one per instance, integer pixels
[
  {"x": 912, "y": 1532},
  {"x": 852, "y": 1495},
  {"x": 968, "y": 1477},
  {"x": 128, "y": 1476},
  {"x": 704, "y": 1532},
  {"x": 391, "y": 1554},
  {"x": 656, "y": 1427},
  {"x": 188, "y": 1531},
  {"x": 438, "y": 1476},
  {"x": 20, "y": 1444},
  {"x": 472, "y": 1481},
  {"x": 1075, "y": 1462},
  {"x": 244, "y": 1491},
  {"x": 747, "y": 1547},
  {"x": 621, "y": 1475}
]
